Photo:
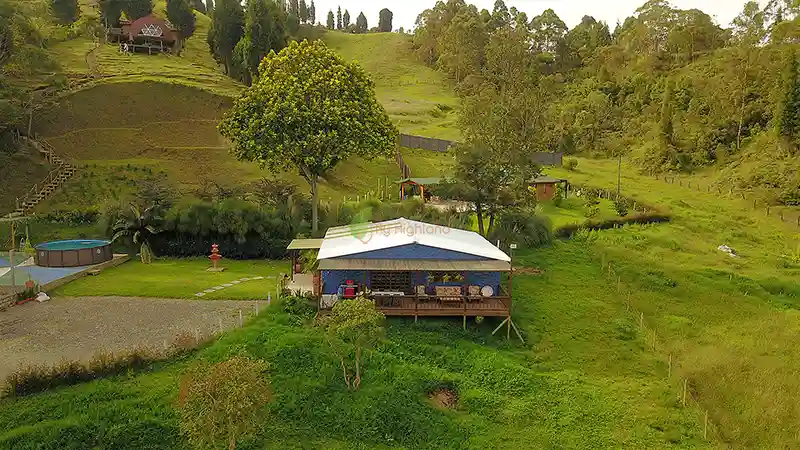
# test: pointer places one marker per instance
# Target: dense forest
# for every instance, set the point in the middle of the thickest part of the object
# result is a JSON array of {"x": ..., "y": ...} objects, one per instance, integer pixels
[{"x": 669, "y": 88}]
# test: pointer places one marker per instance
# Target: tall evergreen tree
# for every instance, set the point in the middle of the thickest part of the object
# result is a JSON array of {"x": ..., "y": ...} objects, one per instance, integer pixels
[
  {"x": 303, "y": 12},
  {"x": 110, "y": 11},
  {"x": 346, "y": 19},
  {"x": 312, "y": 13},
  {"x": 294, "y": 8},
  {"x": 361, "y": 23},
  {"x": 181, "y": 15},
  {"x": 136, "y": 9},
  {"x": 339, "y": 18},
  {"x": 788, "y": 113},
  {"x": 66, "y": 11},
  {"x": 331, "y": 21},
  {"x": 385, "y": 20},
  {"x": 209, "y": 7},
  {"x": 227, "y": 28},
  {"x": 265, "y": 31}
]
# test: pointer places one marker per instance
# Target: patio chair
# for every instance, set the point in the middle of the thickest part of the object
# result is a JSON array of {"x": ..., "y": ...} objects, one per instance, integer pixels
[
  {"x": 474, "y": 293},
  {"x": 421, "y": 293}
]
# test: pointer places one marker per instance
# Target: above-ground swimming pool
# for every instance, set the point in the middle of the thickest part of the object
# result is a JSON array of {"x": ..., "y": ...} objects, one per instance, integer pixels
[{"x": 79, "y": 252}]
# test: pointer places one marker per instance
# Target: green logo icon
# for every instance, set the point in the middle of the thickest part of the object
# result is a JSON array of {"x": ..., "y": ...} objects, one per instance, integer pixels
[{"x": 360, "y": 227}]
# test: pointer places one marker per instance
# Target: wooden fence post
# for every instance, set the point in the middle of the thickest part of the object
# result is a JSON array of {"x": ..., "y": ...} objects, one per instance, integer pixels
[
  {"x": 669, "y": 370},
  {"x": 641, "y": 321},
  {"x": 705, "y": 426},
  {"x": 685, "y": 385},
  {"x": 257, "y": 311},
  {"x": 241, "y": 319}
]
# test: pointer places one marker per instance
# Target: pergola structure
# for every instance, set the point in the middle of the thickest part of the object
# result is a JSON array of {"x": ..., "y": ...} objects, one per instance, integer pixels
[{"x": 411, "y": 186}]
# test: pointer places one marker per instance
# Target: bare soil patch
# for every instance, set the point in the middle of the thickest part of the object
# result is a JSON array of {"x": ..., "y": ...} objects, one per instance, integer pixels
[
  {"x": 77, "y": 328},
  {"x": 444, "y": 398}
]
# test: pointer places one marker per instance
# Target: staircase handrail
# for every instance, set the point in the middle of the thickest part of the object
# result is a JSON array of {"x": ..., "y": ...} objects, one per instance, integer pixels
[{"x": 34, "y": 191}]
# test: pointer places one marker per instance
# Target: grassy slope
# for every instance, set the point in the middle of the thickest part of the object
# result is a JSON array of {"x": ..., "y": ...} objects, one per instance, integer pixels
[
  {"x": 160, "y": 113},
  {"x": 407, "y": 89},
  {"x": 733, "y": 323},
  {"x": 583, "y": 379},
  {"x": 18, "y": 172}
]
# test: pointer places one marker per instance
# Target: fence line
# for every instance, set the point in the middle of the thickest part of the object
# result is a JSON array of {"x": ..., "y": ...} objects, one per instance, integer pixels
[
  {"x": 786, "y": 214},
  {"x": 442, "y": 145},
  {"x": 683, "y": 384}
]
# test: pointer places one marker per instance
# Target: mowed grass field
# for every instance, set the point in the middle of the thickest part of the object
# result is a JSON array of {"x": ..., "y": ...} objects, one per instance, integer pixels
[{"x": 182, "y": 278}]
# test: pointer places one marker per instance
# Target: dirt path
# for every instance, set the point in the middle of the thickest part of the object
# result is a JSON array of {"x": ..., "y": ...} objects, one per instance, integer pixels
[{"x": 75, "y": 328}]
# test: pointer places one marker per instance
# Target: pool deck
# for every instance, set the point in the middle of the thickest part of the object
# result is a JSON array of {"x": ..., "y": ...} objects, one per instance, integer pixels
[{"x": 50, "y": 278}]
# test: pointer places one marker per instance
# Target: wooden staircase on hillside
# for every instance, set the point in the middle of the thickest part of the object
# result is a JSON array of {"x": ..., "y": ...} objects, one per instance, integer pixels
[{"x": 40, "y": 191}]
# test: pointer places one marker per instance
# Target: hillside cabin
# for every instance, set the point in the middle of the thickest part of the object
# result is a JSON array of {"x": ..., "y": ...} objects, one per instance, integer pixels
[
  {"x": 546, "y": 186},
  {"x": 415, "y": 269},
  {"x": 150, "y": 34},
  {"x": 417, "y": 187}
]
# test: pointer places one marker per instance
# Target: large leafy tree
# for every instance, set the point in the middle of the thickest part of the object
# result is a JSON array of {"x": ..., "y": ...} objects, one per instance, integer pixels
[
  {"x": 181, "y": 14},
  {"x": 461, "y": 46},
  {"x": 139, "y": 225},
  {"x": 66, "y": 11},
  {"x": 309, "y": 110},
  {"x": 303, "y": 11},
  {"x": 548, "y": 31},
  {"x": 227, "y": 28},
  {"x": 265, "y": 31},
  {"x": 385, "y": 20}
]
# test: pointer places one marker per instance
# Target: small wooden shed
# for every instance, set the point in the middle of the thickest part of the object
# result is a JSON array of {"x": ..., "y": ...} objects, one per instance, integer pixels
[{"x": 545, "y": 186}]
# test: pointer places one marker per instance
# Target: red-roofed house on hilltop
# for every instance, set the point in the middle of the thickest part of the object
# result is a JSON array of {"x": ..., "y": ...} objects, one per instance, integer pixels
[{"x": 149, "y": 33}]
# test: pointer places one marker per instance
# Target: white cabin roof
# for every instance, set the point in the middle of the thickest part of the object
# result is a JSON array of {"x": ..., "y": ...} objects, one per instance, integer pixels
[{"x": 367, "y": 237}]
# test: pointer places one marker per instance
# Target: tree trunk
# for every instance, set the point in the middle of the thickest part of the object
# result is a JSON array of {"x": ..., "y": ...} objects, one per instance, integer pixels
[
  {"x": 232, "y": 442},
  {"x": 491, "y": 224},
  {"x": 344, "y": 372},
  {"x": 314, "y": 205},
  {"x": 479, "y": 215},
  {"x": 357, "y": 380}
]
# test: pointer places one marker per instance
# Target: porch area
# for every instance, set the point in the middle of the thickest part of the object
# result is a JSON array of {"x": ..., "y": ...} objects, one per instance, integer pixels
[{"x": 411, "y": 305}]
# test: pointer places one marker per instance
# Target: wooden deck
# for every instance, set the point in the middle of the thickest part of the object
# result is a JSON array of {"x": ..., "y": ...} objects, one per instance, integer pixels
[{"x": 499, "y": 306}]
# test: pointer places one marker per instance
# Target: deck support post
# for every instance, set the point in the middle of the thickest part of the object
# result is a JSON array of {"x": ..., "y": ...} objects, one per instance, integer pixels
[
  {"x": 465, "y": 323},
  {"x": 500, "y": 326},
  {"x": 508, "y": 329}
]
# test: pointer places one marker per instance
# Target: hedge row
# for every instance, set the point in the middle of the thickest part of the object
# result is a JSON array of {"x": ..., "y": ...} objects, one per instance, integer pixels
[{"x": 567, "y": 231}]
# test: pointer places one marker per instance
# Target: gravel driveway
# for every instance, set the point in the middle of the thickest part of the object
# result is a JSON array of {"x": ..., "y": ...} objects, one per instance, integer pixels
[{"x": 76, "y": 328}]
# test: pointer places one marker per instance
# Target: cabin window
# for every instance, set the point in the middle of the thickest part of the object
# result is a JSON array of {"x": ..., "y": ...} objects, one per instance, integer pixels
[{"x": 391, "y": 282}]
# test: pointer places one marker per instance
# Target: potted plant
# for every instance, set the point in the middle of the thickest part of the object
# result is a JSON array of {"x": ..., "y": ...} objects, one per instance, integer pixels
[
  {"x": 458, "y": 277},
  {"x": 445, "y": 278},
  {"x": 430, "y": 278}
]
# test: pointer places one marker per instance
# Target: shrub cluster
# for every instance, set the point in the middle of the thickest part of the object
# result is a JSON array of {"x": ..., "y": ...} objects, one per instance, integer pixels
[
  {"x": 567, "y": 231},
  {"x": 33, "y": 379}
]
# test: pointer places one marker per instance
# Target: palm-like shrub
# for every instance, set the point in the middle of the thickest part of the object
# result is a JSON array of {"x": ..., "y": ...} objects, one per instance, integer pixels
[{"x": 139, "y": 225}]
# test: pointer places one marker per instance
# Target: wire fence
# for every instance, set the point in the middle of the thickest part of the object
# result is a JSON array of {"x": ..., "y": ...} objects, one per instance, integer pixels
[
  {"x": 787, "y": 214},
  {"x": 681, "y": 383}
]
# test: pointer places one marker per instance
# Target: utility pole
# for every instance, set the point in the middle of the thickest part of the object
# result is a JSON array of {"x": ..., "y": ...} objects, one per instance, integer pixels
[{"x": 619, "y": 174}]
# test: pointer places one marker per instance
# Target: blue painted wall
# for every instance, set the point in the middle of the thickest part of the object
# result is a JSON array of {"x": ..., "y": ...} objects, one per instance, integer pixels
[
  {"x": 333, "y": 278},
  {"x": 414, "y": 251}
]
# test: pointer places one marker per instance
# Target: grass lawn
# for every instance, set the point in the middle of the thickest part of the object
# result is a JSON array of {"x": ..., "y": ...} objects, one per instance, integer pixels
[
  {"x": 583, "y": 379},
  {"x": 181, "y": 278},
  {"x": 571, "y": 211}
]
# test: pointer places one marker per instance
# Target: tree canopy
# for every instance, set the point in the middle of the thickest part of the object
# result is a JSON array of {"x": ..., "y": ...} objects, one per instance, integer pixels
[
  {"x": 181, "y": 14},
  {"x": 361, "y": 23},
  {"x": 385, "y": 20},
  {"x": 309, "y": 110},
  {"x": 265, "y": 31}
]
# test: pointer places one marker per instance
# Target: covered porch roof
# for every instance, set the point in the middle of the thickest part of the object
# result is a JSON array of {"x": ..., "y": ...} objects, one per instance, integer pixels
[
  {"x": 406, "y": 265},
  {"x": 305, "y": 244}
]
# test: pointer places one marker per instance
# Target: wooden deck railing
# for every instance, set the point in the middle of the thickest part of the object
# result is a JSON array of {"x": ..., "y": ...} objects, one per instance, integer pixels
[{"x": 411, "y": 305}]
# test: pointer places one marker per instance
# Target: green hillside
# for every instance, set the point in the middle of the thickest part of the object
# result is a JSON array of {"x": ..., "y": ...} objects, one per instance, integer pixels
[{"x": 418, "y": 99}]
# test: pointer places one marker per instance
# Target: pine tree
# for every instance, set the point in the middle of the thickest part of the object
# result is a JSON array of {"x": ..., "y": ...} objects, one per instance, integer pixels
[
  {"x": 303, "y": 12},
  {"x": 385, "y": 20},
  {"x": 209, "y": 7},
  {"x": 136, "y": 9},
  {"x": 294, "y": 8},
  {"x": 181, "y": 15},
  {"x": 361, "y": 23},
  {"x": 331, "y": 20},
  {"x": 346, "y": 19},
  {"x": 66, "y": 11},
  {"x": 110, "y": 11},
  {"x": 312, "y": 13},
  {"x": 265, "y": 31},
  {"x": 339, "y": 18},
  {"x": 227, "y": 28}
]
